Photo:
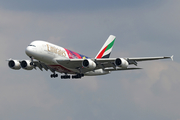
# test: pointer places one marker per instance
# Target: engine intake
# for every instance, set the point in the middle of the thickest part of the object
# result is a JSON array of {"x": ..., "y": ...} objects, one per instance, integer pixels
[
  {"x": 25, "y": 64},
  {"x": 88, "y": 63},
  {"x": 121, "y": 62},
  {"x": 14, "y": 64}
]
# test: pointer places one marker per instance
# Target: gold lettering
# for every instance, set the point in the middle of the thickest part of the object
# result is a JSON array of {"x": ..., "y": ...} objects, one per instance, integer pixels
[
  {"x": 52, "y": 49},
  {"x": 56, "y": 50},
  {"x": 48, "y": 48},
  {"x": 64, "y": 53},
  {"x": 59, "y": 52}
]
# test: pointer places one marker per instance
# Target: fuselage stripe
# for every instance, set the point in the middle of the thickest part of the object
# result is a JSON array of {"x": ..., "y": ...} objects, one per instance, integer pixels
[
  {"x": 74, "y": 55},
  {"x": 101, "y": 53},
  {"x": 110, "y": 45}
]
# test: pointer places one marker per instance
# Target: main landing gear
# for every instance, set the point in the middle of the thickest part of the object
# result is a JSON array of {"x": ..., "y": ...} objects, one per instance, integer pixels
[
  {"x": 54, "y": 75},
  {"x": 77, "y": 76},
  {"x": 65, "y": 76}
]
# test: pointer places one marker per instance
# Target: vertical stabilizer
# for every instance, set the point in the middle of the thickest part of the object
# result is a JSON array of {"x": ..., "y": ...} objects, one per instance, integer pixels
[{"x": 107, "y": 48}]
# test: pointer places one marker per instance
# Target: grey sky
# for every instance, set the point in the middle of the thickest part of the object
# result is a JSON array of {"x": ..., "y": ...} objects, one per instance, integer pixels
[
  {"x": 142, "y": 28},
  {"x": 69, "y": 5}
]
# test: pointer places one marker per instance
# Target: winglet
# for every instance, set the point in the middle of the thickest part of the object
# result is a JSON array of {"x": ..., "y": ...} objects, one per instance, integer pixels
[{"x": 172, "y": 57}]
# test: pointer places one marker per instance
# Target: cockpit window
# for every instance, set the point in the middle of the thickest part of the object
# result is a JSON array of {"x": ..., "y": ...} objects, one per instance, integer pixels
[{"x": 32, "y": 45}]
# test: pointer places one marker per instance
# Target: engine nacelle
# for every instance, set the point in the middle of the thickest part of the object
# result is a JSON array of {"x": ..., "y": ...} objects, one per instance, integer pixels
[
  {"x": 121, "y": 62},
  {"x": 88, "y": 63},
  {"x": 14, "y": 64},
  {"x": 25, "y": 64}
]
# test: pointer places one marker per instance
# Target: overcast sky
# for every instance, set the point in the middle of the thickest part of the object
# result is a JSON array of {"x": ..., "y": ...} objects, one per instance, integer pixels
[{"x": 142, "y": 27}]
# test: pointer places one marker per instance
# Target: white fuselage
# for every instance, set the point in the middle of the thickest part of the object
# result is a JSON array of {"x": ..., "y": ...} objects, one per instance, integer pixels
[{"x": 48, "y": 53}]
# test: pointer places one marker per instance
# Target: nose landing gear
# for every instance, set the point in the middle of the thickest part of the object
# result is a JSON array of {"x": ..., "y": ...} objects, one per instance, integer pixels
[{"x": 31, "y": 63}]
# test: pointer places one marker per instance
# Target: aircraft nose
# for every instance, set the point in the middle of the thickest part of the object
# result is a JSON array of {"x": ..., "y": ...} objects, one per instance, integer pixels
[{"x": 29, "y": 51}]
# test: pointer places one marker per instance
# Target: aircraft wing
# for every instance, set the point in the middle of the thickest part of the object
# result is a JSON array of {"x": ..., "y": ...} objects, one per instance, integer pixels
[
  {"x": 77, "y": 63},
  {"x": 138, "y": 59},
  {"x": 71, "y": 63},
  {"x": 149, "y": 58},
  {"x": 107, "y": 64}
]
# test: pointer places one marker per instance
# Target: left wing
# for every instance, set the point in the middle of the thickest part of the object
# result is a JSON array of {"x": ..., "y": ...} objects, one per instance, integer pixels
[
  {"x": 107, "y": 64},
  {"x": 149, "y": 58},
  {"x": 138, "y": 59},
  {"x": 113, "y": 62}
]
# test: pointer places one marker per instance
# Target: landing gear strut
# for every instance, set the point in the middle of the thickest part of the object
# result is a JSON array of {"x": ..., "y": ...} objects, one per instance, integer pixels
[{"x": 31, "y": 63}]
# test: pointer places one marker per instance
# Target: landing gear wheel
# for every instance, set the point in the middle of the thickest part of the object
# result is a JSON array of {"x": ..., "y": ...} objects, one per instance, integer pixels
[
  {"x": 78, "y": 76},
  {"x": 54, "y": 75},
  {"x": 31, "y": 63},
  {"x": 65, "y": 77}
]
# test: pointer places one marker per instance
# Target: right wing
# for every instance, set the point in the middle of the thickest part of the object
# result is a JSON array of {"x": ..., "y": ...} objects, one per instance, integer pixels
[{"x": 26, "y": 64}]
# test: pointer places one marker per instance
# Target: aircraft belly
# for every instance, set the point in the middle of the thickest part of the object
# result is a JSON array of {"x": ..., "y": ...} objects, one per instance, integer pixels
[
  {"x": 61, "y": 69},
  {"x": 96, "y": 72}
]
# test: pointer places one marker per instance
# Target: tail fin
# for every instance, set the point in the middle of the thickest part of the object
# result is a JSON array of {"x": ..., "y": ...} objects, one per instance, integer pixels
[{"x": 107, "y": 48}]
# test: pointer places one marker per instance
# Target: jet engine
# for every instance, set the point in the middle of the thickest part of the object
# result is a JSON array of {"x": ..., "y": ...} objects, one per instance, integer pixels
[
  {"x": 88, "y": 63},
  {"x": 14, "y": 64},
  {"x": 121, "y": 62},
  {"x": 25, "y": 64}
]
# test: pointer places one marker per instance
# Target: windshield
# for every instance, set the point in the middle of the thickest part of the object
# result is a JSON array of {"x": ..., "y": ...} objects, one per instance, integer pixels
[{"x": 32, "y": 45}]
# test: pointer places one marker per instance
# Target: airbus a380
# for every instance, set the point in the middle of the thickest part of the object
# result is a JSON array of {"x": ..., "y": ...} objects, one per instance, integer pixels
[{"x": 48, "y": 56}]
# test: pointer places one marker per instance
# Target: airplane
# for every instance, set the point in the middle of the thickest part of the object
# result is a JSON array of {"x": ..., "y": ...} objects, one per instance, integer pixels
[{"x": 48, "y": 56}]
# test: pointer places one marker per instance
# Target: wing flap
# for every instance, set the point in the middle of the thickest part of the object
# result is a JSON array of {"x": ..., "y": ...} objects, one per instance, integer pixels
[
  {"x": 111, "y": 69},
  {"x": 105, "y": 62}
]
